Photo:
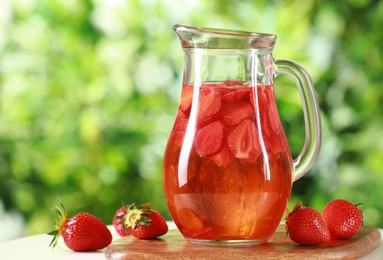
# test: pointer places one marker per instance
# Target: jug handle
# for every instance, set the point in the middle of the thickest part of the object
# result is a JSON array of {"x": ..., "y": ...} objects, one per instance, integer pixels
[{"x": 313, "y": 131}]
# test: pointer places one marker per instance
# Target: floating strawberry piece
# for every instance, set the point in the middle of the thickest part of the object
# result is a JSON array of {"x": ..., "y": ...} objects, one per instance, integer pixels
[
  {"x": 274, "y": 121},
  {"x": 186, "y": 97},
  {"x": 83, "y": 232},
  {"x": 272, "y": 131},
  {"x": 224, "y": 157},
  {"x": 236, "y": 95},
  {"x": 209, "y": 139},
  {"x": 343, "y": 218},
  {"x": 209, "y": 102},
  {"x": 260, "y": 99},
  {"x": 236, "y": 112},
  {"x": 144, "y": 222},
  {"x": 243, "y": 141},
  {"x": 306, "y": 226}
]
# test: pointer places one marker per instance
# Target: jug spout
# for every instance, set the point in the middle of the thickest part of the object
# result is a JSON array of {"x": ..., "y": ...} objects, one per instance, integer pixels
[{"x": 212, "y": 38}]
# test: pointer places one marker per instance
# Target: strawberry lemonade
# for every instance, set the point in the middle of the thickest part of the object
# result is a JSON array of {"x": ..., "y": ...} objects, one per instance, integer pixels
[{"x": 227, "y": 166}]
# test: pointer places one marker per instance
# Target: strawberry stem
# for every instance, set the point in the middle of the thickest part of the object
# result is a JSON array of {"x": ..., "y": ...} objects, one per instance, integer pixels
[
  {"x": 299, "y": 205},
  {"x": 61, "y": 220}
]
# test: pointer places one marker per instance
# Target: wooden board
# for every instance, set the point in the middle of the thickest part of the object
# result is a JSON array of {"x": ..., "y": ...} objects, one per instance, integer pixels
[{"x": 174, "y": 246}]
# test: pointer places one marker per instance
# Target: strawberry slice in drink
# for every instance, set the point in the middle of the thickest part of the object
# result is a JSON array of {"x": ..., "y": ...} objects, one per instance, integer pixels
[
  {"x": 236, "y": 95},
  {"x": 208, "y": 140},
  {"x": 209, "y": 102},
  {"x": 235, "y": 112},
  {"x": 259, "y": 97},
  {"x": 186, "y": 97},
  {"x": 243, "y": 141},
  {"x": 224, "y": 157}
]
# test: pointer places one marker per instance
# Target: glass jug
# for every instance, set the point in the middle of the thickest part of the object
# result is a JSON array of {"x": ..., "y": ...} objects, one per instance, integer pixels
[{"x": 228, "y": 169}]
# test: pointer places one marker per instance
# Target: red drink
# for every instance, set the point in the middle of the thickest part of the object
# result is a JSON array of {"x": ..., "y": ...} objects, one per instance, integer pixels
[{"x": 227, "y": 166}]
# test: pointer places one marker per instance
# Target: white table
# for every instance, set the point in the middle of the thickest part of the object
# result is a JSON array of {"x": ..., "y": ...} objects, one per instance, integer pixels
[{"x": 36, "y": 247}]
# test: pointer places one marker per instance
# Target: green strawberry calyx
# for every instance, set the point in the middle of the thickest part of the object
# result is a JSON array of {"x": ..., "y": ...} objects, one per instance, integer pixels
[
  {"x": 62, "y": 218},
  {"x": 137, "y": 215},
  {"x": 299, "y": 205}
]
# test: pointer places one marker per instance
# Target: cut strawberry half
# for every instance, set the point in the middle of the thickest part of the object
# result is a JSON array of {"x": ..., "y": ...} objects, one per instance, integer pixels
[
  {"x": 186, "y": 97},
  {"x": 209, "y": 139},
  {"x": 236, "y": 95},
  {"x": 273, "y": 118},
  {"x": 263, "y": 98},
  {"x": 243, "y": 141},
  {"x": 224, "y": 157},
  {"x": 235, "y": 112},
  {"x": 209, "y": 102}
]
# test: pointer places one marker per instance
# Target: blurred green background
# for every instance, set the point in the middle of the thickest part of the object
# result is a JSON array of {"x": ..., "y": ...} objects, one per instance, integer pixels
[{"x": 89, "y": 90}]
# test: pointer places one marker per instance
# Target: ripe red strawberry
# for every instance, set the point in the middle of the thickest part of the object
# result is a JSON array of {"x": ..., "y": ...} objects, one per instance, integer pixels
[
  {"x": 118, "y": 221},
  {"x": 83, "y": 232},
  {"x": 209, "y": 139},
  {"x": 243, "y": 141},
  {"x": 306, "y": 226},
  {"x": 145, "y": 223},
  {"x": 343, "y": 218}
]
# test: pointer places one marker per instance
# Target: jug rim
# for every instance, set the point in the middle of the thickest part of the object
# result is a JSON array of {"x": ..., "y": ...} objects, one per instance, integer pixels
[{"x": 217, "y": 38}]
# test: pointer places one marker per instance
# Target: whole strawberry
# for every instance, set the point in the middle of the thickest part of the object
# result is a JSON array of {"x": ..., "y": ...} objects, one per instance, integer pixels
[
  {"x": 145, "y": 223},
  {"x": 306, "y": 226},
  {"x": 83, "y": 232},
  {"x": 343, "y": 218},
  {"x": 118, "y": 221}
]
